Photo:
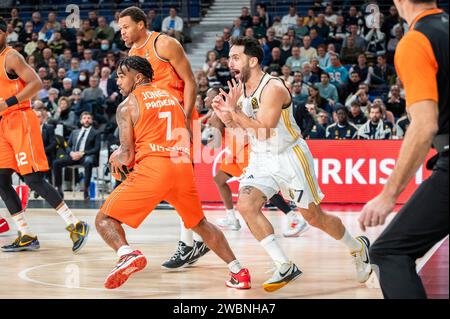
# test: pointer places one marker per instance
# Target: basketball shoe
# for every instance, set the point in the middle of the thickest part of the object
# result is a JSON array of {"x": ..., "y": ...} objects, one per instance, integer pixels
[
  {"x": 181, "y": 258},
  {"x": 78, "y": 234},
  {"x": 241, "y": 280},
  {"x": 295, "y": 226},
  {"x": 22, "y": 243},
  {"x": 200, "y": 249},
  {"x": 126, "y": 266},
  {"x": 4, "y": 227},
  {"x": 229, "y": 222},
  {"x": 362, "y": 261},
  {"x": 282, "y": 275}
]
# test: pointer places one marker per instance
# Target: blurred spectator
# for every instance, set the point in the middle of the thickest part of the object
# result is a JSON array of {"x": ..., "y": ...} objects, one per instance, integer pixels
[
  {"x": 361, "y": 96},
  {"x": 245, "y": 17},
  {"x": 48, "y": 137},
  {"x": 259, "y": 30},
  {"x": 249, "y": 33},
  {"x": 323, "y": 30},
  {"x": 68, "y": 34},
  {"x": 173, "y": 25},
  {"x": 328, "y": 91},
  {"x": 226, "y": 35},
  {"x": 307, "y": 52},
  {"x": 316, "y": 98},
  {"x": 42, "y": 72},
  {"x": 64, "y": 115},
  {"x": 46, "y": 33},
  {"x": 103, "y": 32},
  {"x": 83, "y": 80},
  {"x": 279, "y": 28},
  {"x": 365, "y": 72},
  {"x": 356, "y": 115},
  {"x": 390, "y": 20},
  {"x": 285, "y": 48},
  {"x": 52, "y": 23},
  {"x": 360, "y": 42},
  {"x": 31, "y": 60},
  {"x": 211, "y": 61},
  {"x": 310, "y": 19},
  {"x": 338, "y": 32},
  {"x": 84, "y": 149},
  {"x": 323, "y": 57},
  {"x": 338, "y": 73},
  {"x": 330, "y": 16},
  {"x": 383, "y": 73},
  {"x": 316, "y": 70},
  {"x": 154, "y": 20},
  {"x": 352, "y": 86},
  {"x": 115, "y": 22},
  {"x": 60, "y": 75},
  {"x": 401, "y": 126},
  {"x": 46, "y": 86},
  {"x": 375, "y": 128},
  {"x": 88, "y": 63},
  {"x": 272, "y": 42},
  {"x": 308, "y": 76},
  {"x": 264, "y": 16},
  {"x": 323, "y": 119},
  {"x": 221, "y": 47},
  {"x": 26, "y": 34},
  {"x": 37, "y": 23},
  {"x": 303, "y": 118},
  {"x": 16, "y": 21},
  {"x": 376, "y": 44},
  {"x": 316, "y": 40},
  {"x": 74, "y": 71},
  {"x": 31, "y": 46},
  {"x": 11, "y": 35},
  {"x": 57, "y": 44},
  {"x": 286, "y": 74},
  {"x": 392, "y": 44},
  {"x": 75, "y": 100},
  {"x": 342, "y": 129},
  {"x": 350, "y": 53},
  {"x": 295, "y": 61},
  {"x": 92, "y": 99},
  {"x": 222, "y": 71},
  {"x": 353, "y": 18},
  {"x": 299, "y": 93},
  {"x": 395, "y": 103},
  {"x": 275, "y": 62},
  {"x": 300, "y": 29},
  {"x": 290, "y": 19},
  {"x": 87, "y": 31},
  {"x": 46, "y": 55},
  {"x": 67, "y": 87},
  {"x": 51, "y": 102},
  {"x": 387, "y": 115},
  {"x": 237, "y": 30},
  {"x": 202, "y": 87}
]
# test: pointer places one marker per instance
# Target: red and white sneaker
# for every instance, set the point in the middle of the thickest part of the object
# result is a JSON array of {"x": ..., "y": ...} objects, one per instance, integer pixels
[
  {"x": 241, "y": 280},
  {"x": 127, "y": 265},
  {"x": 4, "y": 227}
]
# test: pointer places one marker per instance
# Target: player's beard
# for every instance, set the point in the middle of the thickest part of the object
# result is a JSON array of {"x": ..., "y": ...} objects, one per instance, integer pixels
[{"x": 245, "y": 73}]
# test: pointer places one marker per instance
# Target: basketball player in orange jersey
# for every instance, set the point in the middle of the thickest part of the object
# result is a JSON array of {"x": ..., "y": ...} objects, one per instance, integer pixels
[
  {"x": 153, "y": 135},
  {"x": 22, "y": 149},
  {"x": 172, "y": 72}
]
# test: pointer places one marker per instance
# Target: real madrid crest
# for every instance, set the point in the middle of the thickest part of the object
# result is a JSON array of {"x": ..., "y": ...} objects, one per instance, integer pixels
[
  {"x": 239, "y": 105},
  {"x": 254, "y": 102},
  {"x": 291, "y": 194}
]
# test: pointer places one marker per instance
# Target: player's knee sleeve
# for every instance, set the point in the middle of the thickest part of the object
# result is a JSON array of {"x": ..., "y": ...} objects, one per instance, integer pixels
[
  {"x": 278, "y": 201},
  {"x": 9, "y": 195},
  {"x": 38, "y": 184}
]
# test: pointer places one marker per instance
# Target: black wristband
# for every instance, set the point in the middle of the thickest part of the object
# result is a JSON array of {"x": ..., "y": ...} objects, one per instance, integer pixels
[{"x": 12, "y": 101}]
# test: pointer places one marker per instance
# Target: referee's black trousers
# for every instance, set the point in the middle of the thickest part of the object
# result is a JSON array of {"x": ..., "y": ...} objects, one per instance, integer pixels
[{"x": 421, "y": 223}]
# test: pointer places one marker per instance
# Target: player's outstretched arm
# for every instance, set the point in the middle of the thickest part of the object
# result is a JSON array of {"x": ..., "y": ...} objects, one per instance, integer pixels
[{"x": 17, "y": 64}]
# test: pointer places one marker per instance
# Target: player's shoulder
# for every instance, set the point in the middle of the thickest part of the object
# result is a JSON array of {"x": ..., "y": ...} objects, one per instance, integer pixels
[{"x": 412, "y": 40}]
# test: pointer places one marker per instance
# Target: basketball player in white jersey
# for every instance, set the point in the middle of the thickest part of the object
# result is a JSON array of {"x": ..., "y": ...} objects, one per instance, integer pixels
[{"x": 279, "y": 161}]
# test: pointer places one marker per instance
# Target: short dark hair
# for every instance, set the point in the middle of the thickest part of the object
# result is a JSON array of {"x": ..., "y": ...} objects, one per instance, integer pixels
[
  {"x": 136, "y": 14},
  {"x": 252, "y": 48},
  {"x": 138, "y": 64},
  {"x": 86, "y": 113},
  {"x": 375, "y": 106}
]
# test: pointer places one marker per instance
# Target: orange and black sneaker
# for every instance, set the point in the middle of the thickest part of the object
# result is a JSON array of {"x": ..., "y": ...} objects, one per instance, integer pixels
[
  {"x": 22, "y": 243},
  {"x": 241, "y": 280},
  {"x": 4, "y": 227},
  {"x": 126, "y": 266},
  {"x": 79, "y": 234}
]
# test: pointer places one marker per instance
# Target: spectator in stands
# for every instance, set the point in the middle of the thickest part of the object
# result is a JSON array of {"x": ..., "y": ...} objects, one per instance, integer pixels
[
  {"x": 211, "y": 61},
  {"x": 42, "y": 72},
  {"x": 57, "y": 43},
  {"x": 279, "y": 28},
  {"x": 275, "y": 62},
  {"x": 316, "y": 70},
  {"x": 308, "y": 76},
  {"x": 249, "y": 33},
  {"x": 173, "y": 25},
  {"x": 390, "y": 20},
  {"x": 264, "y": 16},
  {"x": 93, "y": 99},
  {"x": 26, "y": 34},
  {"x": 16, "y": 21},
  {"x": 330, "y": 16},
  {"x": 360, "y": 42},
  {"x": 352, "y": 17},
  {"x": 48, "y": 137},
  {"x": 392, "y": 44},
  {"x": 323, "y": 56},
  {"x": 223, "y": 72},
  {"x": 298, "y": 77},
  {"x": 202, "y": 87},
  {"x": 37, "y": 23},
  {"x": 226, "y": 34},
  {"x": 365, "y": 71},
  {"x": 352, "y": 86},
  {"x": 338, "y": 73},
  {"x": 84, "y": 149},
  {"x": 237, "y": 30},
  {"x": 387, "y": 115},
  {"x": 51, "y": 102},
  {"x": 376, "y": 44},
  {"x": 316, "y": 99},
  {"x": 350, "y": 53},
  {"x": 87, "y": 31},
  {"x": 245, "y": 17},
  {"x": 317, "y": 131},
  {"x": 300, "y": 29},
  {"x": 361, "y": 96},
  {"x": 154, "y": 20},
  {"x": 290, "y": 19},
  {"x": 295, "y": 61},
  {"x": 103, "y": 32},
  {"x": 286, "y": 75},
  {"x": 307, "y": 52},
  {"x": 31, "y": 46},
  {"x": 272, "y": 42},
  {"x": 68, "y": 34},
  {"x": 11, "y": 35},
  {"x": 338, "y": 32},
  {"x": 316, "y": 40},
  {"x": 356, "y": 115},
  {"x": 383, "y": 73},
  {"x": 395, "y": 103},
  {"x": 401, "y": 126},
  {"x": 88, "y": 63},
  {"x": 221, "y": 47},
  {"x": 285, "y": 48},
  {"x": 60, "y": 75},
  {"x": 323, "y": 30},
  {"x": 328, "y": 91},
  {"x": 299, "y": 93},
  {"x": 323, "y": 118},
  {"x": 342, "y": 129},
  {"x": 46, "y": 55},
  {"x": 310, "y": 19},
  {"x": 375, "y": 128},
  {"x": 64, "y": 115},
  {"x": 46, "y": 33},
  {"x": 115, "y": 22},
  {"x": 74, "y": 71},
  {"x": 53, "y": 24},
  {"x": 75, "y": 100},
  {"x": 46, "y": 86},
  {"x": 67, "y": 87},
  {"x": 259, "y": 30},
  {"x": 83, "y": 80}
]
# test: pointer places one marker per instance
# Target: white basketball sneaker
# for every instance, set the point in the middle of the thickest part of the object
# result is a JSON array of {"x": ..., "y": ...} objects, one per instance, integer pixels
[
  {"x": 282, "y": 275},
  {"x": 295, "y": 226},
  {"x": 362, "y": 261},
  {"x": 229, "y": 222}
]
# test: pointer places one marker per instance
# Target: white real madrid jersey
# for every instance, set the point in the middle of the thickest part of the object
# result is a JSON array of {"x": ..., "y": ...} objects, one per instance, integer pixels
[{"x": 286, "y": 132}]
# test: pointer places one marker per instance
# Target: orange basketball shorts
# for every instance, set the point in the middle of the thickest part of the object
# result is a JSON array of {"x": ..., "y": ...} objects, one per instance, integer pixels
[
  {"x": 21, "y": 145},
  {"x": 153, "y": 180},
  {"x": 235, "y": 165}
]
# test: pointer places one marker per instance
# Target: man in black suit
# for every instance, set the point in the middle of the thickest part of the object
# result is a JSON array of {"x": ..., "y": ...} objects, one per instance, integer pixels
[
  {"x": 48, "y": 137},
  {"x": 84, "y": 149}
]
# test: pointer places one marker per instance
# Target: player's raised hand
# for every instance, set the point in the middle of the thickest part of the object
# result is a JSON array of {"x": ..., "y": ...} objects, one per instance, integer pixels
[
  {"x": 218, "y": 105},
  {"x": 232, "y": 97}
]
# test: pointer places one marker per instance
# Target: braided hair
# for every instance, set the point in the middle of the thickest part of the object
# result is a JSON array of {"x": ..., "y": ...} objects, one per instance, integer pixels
[{"x": 138, "y": 64}]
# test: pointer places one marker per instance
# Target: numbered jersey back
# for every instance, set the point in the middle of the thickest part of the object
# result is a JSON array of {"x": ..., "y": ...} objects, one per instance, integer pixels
[{"x": 161, "y": 128}]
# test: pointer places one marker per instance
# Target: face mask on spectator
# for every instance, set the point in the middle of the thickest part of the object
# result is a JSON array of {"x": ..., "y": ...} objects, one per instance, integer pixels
[
  {"x": 82, "y": 78},
  {"x": 105, "y": 47}
]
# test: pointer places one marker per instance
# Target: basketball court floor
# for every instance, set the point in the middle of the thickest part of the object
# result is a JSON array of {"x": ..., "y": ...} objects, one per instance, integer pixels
[{"x": 54, "y": 272}]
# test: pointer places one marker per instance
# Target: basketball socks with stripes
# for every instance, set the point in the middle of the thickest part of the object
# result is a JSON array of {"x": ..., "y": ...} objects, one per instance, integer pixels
[
  {"x": 235, "y": 266},
  {"x": 67, "y": 215},
  {"x": 21, "y": 223},
  {"x": 352, "y": 243},
  {"x": 273, "y": 249},
  {"x": 124, "y": 250},
  {"x": 186, "y": 235}
]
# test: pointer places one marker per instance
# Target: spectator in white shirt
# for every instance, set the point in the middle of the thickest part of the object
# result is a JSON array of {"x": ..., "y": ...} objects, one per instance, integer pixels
[
  {"x": 290, "y": 19},
  {"x": 307, "y": 52},
  {"x": 11, "y": 35},
  {"x": 173, "y": 25}
]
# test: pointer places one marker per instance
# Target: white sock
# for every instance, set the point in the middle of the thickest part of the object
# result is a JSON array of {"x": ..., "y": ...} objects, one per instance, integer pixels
[
  {"x": 231, "y": 214},
  {"x": 351, "y": 242},
  {"x": 124, "y": 250},
  {"x": 291, "y": 215},
  {"x": 67, "y": 215},
  {"x": 197, "y": 237},
  {"x": 235, "y": 266},
  {"x": 22, "y": 224},
  {"x": 275, "y": 252},
  {"x": 186, "y": 235}
]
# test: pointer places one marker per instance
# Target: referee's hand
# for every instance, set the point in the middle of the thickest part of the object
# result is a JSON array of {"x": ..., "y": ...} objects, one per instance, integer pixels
[{"x": 375, "y": 211}]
